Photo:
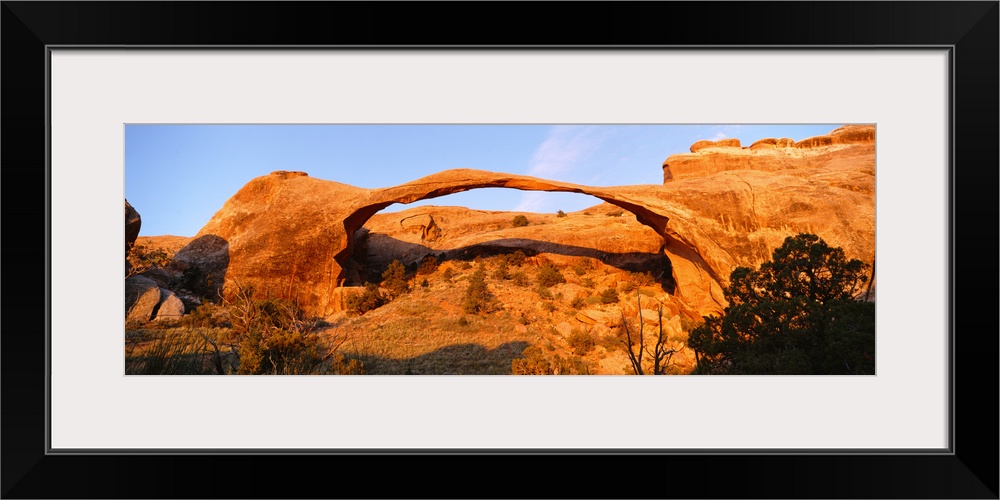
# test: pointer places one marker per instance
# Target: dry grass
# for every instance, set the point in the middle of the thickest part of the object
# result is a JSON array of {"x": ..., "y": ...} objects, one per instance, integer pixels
[{"x": 426, "y": 331}]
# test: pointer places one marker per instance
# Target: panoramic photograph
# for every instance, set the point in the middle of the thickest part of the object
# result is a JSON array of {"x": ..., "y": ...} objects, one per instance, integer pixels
[{"x": 731, "y": 249}]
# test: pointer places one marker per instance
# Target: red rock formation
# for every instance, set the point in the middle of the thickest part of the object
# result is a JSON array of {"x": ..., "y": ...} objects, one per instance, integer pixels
[{"x": 290, "y": 235}]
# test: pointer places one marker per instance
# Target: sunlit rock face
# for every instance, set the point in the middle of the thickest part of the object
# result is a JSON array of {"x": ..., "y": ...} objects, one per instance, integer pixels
[{"x": 723, "y": 205}]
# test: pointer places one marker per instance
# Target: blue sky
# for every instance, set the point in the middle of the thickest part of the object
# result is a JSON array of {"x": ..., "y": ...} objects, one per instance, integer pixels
[{"x": 178, "y": 176}]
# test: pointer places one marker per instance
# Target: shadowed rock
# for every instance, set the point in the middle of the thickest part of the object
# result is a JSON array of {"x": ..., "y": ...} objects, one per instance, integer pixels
[
  {"x": 132, "y": 223},
  {"x": 141, "y": 298}
]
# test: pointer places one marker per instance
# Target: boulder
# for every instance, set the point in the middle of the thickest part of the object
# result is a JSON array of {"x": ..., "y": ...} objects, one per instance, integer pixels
[
  {"x": 141, "y": 298},
  {"x": 132, "y": 223},
  {"x": 591, "y": 316},
  {"x": 650, "y": 317},
  {"x": 170, "y": 307},
  {"x": 564, "y": 329}
]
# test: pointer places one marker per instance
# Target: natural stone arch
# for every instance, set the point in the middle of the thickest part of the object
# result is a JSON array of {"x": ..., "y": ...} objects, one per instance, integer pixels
[
  {"x": 459, "y": 180},
  {"x": 290, "y": 235}
]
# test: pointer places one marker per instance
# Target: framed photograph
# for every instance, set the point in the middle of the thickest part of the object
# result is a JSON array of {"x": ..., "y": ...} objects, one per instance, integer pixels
[{"x": 90, "y": 87}]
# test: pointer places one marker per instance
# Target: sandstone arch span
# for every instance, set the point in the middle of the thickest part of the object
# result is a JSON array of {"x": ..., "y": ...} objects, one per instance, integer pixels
[
  {"x": 455, "y": 181},
  {"x": 291, "y": 235}
]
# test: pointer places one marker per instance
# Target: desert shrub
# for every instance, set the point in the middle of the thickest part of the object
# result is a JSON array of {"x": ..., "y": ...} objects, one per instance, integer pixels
[
  {"x": 372, "y": 298},
  {"x": 428, "y": 265},
  {"x": 579, "y": 270},
  {"x": 548, "y": 306},
  {"x": 535, "y": 362},
  {"x": 520, "y": 279},
  {"x": 273, "y": 337},
  {"x": 502, "y": 272},
  {"x": 143, "y": 258},
  {"x": 578, "y": 302},
  {"x": 548, "y": 275},
  {"x": 520, "y": 221},
  {"x": 560, "y": 214},
  {"x": 447, "y": 275},
  {"x": 609, "y": 296},
  {"x": 587, "y": 282},
  {"x": 207, "y": 315},
  {"x": 627, "y": 286},
  {"x": 582, "y": 342},
  {"x": 394, "y": 279},
  {"x": 596, "y": 299},
  {"x": 543, "y": 292},
  {"x": 517, "y": 258},
  {"x": 465, "y": 266},
  {"x": 478, "y": 298},
  {"x": 425, "y": 283},
  {"x": 616, "y": 213}
]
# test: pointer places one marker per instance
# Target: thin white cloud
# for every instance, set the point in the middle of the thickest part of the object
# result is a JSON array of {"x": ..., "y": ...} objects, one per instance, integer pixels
[
  {"x": 566, "y": 147},
  {"x": 719, "y": 136}
]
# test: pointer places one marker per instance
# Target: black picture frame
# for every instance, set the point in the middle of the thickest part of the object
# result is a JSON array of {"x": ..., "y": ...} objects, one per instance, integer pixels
[{"x": 969, "y": 29}]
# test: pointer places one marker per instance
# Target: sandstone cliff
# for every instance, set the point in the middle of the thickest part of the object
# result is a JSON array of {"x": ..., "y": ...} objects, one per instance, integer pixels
[{"x": 721, "y": 206}]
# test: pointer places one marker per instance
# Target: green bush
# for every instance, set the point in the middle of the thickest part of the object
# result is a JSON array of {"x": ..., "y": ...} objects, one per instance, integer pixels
[
  {"x": 428, "y": 265},
  {"x": 371, "y": 299},
  {"x": 560, "y": 214},
  {"x": 799, "y": 313},
  {"x": 394, "y": 279},
  {"x": 548, "y": 306},
  {"x": 207, "y": 315},
  {"x": 478, "y": 298},
  {"x": 273, "y": 337},
  {"x": 578, "y": 302},
  {"x": 544, "y": 293},
  {"x": 588, "y": 282},
  {"x": 548, "y": 275},
  {"x": 616, "y": 213},
  {"x": 520, "y": 221}
]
